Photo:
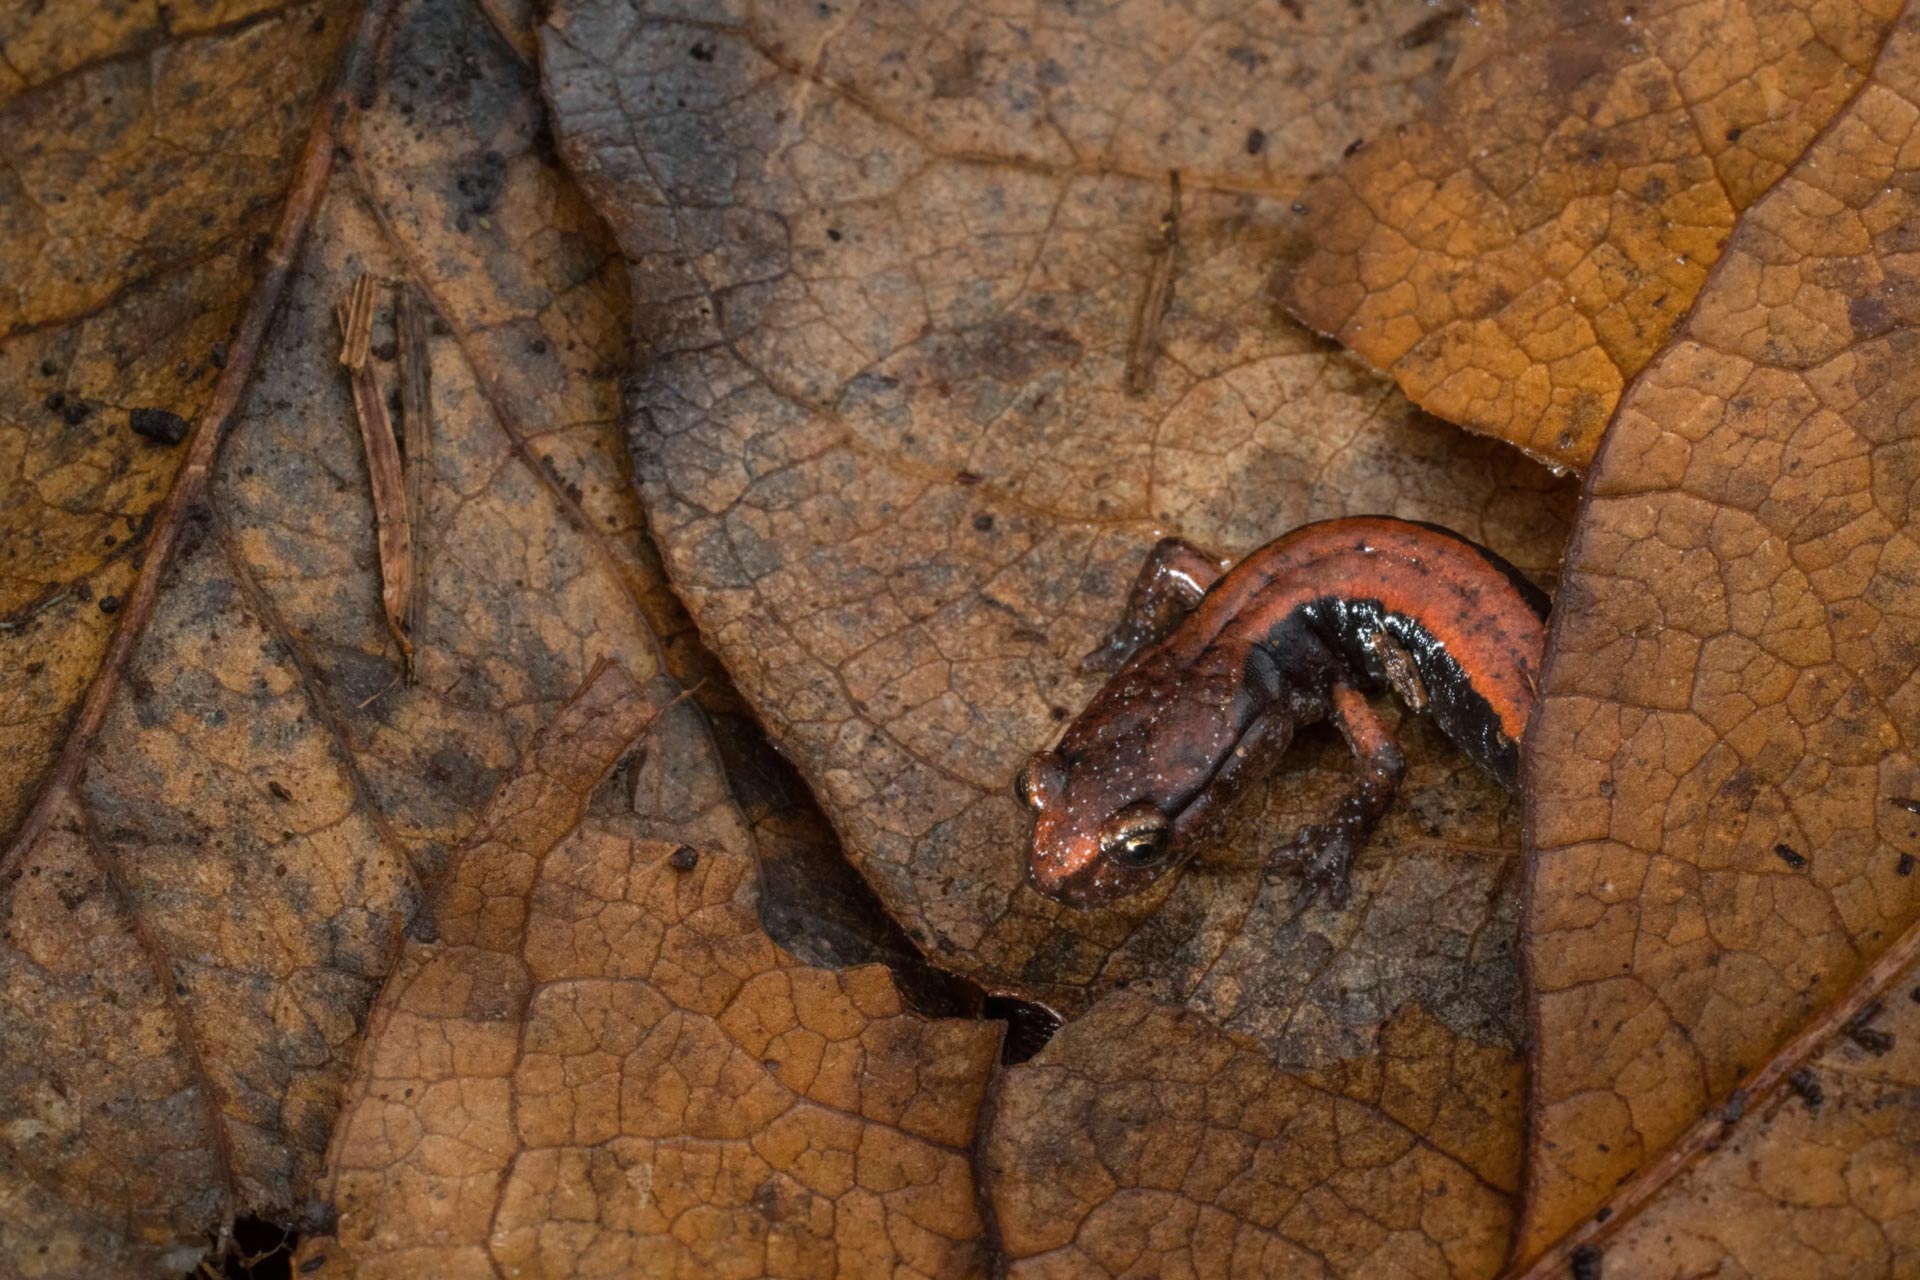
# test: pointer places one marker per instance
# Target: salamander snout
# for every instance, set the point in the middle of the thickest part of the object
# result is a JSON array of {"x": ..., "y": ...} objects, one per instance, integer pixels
[{"x": 1084, "y": 854}]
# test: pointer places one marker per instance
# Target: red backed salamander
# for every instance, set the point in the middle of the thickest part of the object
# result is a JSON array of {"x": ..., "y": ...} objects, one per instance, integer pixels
[{"x": 1218, "y": 668}]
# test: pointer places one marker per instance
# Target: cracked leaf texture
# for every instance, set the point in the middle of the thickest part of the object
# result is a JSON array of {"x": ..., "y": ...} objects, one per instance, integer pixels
[
  {"x": 141, "y": 160},
  {"x": 192, "y": 944},
  {"x": 600, "y": 1065},
  {"x": 1143, "y": 1141},
  {"x": 1731, "y": 705},
  {"x": 885, "y": 282},
  {"x": 1807, "y": 1189},
  {"x": 1514, "y": 256}
]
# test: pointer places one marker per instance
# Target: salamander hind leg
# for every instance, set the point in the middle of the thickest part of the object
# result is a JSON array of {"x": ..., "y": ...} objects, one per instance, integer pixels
[
  {"x": 1170, "y": 583},
  {"x": 1324, "y": 851}
]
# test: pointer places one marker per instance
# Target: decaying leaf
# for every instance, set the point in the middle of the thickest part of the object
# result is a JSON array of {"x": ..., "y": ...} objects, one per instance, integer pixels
[
  {"x": 1820, "y": 1182},
  {"x": 1517, "y": 254},
  {"x": 884, "y": 431},
  {"x": 927, "y": 354},
  {"x": 1724, "y": 760},
  {"x": 215, "y": 887},
  {"x": 1144, "y": 1142},
  {"x": 597, "y": 1063},
  {"x": 886, "y": 293},
  {"x": 143, "y": 163}
]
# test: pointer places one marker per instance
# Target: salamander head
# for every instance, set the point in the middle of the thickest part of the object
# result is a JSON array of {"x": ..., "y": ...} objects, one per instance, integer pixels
[{"x": 1118, "y": 802}]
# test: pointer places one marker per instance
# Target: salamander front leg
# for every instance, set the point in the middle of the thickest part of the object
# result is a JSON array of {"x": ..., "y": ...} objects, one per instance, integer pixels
[
  {"x": 1324, "y": 851},
  {"x": 1176, "y": 574}
]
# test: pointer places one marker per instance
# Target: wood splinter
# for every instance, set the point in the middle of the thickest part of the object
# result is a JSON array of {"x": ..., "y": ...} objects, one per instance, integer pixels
[
  {"x": 416, "y": 408},
  {"x": 1153, "y": 304},
  {"x": 390, "y": 514}
]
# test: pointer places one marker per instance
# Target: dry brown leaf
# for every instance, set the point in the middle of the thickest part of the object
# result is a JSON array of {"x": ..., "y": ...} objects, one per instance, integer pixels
[
  {"x": 888, "y": 283},
  {"x": 1517, "y": 254},
  {"x": 1820, "y": 1183},
  {"x": 143, "y": 161},
  {"x": 196, "y": 927},
  {"x": 1723, "y": 763},
  {"x": 597, "y": 1063},
  {"x": 1144, "y": 1142},
  {"x": 928, "y": 366},
  {"x": 884, "y": 434}
]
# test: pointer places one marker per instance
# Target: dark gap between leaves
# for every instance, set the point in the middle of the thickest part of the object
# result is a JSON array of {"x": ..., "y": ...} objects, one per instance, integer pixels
[
  {"x": 815, "y": 904},
  {"x": 257, "y": 1250}
]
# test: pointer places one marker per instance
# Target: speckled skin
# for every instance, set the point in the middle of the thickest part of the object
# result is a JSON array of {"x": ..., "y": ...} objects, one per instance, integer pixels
[{"x": 1215, "y": 684}]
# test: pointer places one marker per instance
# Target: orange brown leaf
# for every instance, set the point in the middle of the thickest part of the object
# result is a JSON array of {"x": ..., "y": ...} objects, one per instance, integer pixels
[
  {"x": 886, "y": 442},
  {"x": 184, "y": 139},
  {"x": 1724, "y": 753},
  {"x": 1820, "y": 1181},
  {"x": 1517, "y": 254},
  {"x": 886, "y": 439},
  {"x": 599, "y": 1062}
]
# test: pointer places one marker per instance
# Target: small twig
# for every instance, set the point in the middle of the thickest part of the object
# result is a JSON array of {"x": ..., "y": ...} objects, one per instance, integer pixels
[
  {"x": 376, "y": 695},
  {"x": 416, "y": 407},
  {"x": 394, "y": 529},
  {"x": 1153, "y": 304},
  {"x": 356, "y": 324}
]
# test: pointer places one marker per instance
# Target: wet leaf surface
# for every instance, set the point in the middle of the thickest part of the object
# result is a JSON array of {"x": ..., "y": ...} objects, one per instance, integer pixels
[
  {"x": 1517, "y": 254},
  {"x": 594, "y": 1060}
]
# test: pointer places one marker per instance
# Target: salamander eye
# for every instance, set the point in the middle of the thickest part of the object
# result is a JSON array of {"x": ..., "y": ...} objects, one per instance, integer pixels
[
  {"x": 1036, "y": 778},
  {"x": 1137, "y": 836},
  {"x": 1023, "y": 786}
]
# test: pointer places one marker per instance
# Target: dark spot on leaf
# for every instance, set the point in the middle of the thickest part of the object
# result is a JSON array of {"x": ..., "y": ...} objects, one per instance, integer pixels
[
  {"x": 1430, "y": 29},
  {"x": 1869, "y": 316},
  {"x": 161, "y": 426},
  {"x": 1868, "y": 1037}
]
